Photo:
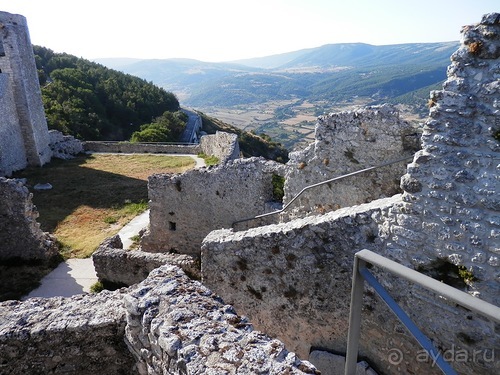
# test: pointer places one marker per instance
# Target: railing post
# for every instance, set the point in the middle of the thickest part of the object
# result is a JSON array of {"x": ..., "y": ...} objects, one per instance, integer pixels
[{"x": 354, "y": 317}]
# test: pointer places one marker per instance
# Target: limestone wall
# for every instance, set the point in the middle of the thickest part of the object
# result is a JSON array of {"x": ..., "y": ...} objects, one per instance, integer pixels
[
  {"x": 79, "y": 335},
  {"x": 168, "y": 324},
  {"x": 178, "y": 326},
  {"x": 140, "y": 148},
  {"x": 445, "y": 225},
  {"x": 116, "y": 266},
  {"x": 20, "y": 234},
  {"x": 185, "y": 208},
  {"x": 12, "y": 154},
  {"x": 452, "y": 187},
  {"x": 347, "y": 142},
  {"x": 19, "y": 65},
  {"x": 222, "y": 145}
]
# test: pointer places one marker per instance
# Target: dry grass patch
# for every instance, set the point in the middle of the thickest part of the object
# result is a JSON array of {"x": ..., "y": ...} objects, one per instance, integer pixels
[{"x": 93, "y": 197}]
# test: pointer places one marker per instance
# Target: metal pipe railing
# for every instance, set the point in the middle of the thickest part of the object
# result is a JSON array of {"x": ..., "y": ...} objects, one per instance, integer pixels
[
  {"x": 361, "y": 274},
  {"x": 319, "y": 184}
]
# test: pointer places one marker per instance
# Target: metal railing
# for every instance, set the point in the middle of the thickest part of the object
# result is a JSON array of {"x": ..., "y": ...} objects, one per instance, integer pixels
[
  {"x": 319, "y": 184},
  {"x": 361, "y": 274}
]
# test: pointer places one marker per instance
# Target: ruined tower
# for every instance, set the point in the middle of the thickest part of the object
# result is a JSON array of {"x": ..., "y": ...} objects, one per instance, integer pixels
[{"x": 24, "y": 137}]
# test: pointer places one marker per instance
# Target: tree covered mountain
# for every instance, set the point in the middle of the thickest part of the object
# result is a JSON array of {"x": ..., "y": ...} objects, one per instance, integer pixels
[
  {"x": 333, "y": 72},
  {"x": 92, "y": 102}
]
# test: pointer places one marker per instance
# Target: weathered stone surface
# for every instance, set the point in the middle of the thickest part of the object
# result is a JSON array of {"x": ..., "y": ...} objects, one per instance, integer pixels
[
  {"x": 223, "y": 145},
  {"x": 347, "y": 142},
  {"x": 127, "y": 267},
  {"x": 20, "y": 234},
  {"x": 178, "y": 326},
  {"x": 64, "y": 146},
  {"x": 24, "y": 137},
  {"x": 81, "y": 335},
  {"x": 298, "y": 273},
  {"x": 185, "y": 208}
]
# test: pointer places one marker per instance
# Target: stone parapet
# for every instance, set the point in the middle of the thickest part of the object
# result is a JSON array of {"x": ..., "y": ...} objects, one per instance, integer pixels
[{"x": 127, "y": 267}]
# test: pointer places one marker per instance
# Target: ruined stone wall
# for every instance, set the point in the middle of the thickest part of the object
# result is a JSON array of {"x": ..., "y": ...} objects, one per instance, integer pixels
[
  {"x": 452, "y": 197},
  {"x": 20, "y": 234},
  {"x": 347, "y": 142},
  {"x": 168, "y": 324},
  {"x": 139, "y": 148},
  {"x": 116, "y": 266},
  {"x": 12, "y": 154},
  {"x": 79, "y": 335},
  {"x": 223, "y": 145},
  {"x": 299, "y": 273},
  {"x": 19, "y": 65},
  {"x": 185, "y": 208}
]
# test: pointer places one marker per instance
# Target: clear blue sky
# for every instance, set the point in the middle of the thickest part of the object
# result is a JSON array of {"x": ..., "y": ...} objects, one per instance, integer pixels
[{"x": 224, "y": 30}]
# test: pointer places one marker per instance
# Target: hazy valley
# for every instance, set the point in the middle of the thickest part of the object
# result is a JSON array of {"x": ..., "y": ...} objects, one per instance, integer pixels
[{"x": 281, "y": 95}]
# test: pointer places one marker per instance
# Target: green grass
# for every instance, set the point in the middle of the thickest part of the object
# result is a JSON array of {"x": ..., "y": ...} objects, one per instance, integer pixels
[
  {"x": 93, "y": 197},
  {"x": 209, "y": 159}
]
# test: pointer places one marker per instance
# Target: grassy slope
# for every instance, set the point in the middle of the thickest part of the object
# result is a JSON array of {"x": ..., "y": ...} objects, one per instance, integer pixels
[{"x": 94, "y": 196}]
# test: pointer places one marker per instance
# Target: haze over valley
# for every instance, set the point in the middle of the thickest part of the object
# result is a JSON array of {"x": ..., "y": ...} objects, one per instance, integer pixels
[{"x": 282, "y": 95}]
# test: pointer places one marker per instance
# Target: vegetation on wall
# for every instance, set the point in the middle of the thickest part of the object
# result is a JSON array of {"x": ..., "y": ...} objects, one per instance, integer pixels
[{"x": 92, "y": 102}]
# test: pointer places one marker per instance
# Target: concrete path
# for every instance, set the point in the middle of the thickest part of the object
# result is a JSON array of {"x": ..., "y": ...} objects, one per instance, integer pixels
[
  {"x": 75, "y": 276},
  {"x": 133, "y": 228}
]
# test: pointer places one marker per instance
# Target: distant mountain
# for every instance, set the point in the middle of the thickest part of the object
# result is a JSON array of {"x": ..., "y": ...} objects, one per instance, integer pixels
[{"x": 330, "y": 72}]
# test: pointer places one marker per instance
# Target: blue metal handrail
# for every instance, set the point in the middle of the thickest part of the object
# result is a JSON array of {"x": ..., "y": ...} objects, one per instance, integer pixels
[{"x": 361, "y": 274}]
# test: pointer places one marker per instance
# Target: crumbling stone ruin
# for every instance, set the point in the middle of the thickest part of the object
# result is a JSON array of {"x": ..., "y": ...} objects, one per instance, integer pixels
[
  {"x": 347, "y": 142},
  {"x": 445, "y": 224},
  {"x": 24, "y": 137},
  {"x": 293, "y": 279},
  {"x": 20, "y": 235},
  {"x": 185, "y": 208}
]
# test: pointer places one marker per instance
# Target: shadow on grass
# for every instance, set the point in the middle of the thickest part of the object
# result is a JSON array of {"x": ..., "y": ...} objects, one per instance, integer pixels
[{"x": 75, "y": 185}]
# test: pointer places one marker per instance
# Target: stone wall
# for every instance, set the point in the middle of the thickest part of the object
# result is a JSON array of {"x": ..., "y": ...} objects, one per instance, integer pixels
[
  {"x": 19, "y": 65},
  {"x": 178, "y": 326},
  {"x": 168, "y": 324},
  {"x": 140, "y": 148},
  {"x": 222, "y": 145},
  {"x": 81, "y": 335},
  {"x": 445, "y": 225},
  {"x": 347, "y": 142},
  {"x": 12, "y": 153},
  {"x": 20, "y": 234},
  {"x": 185, "y": 208},
  {"x": 116, "y": 266}
]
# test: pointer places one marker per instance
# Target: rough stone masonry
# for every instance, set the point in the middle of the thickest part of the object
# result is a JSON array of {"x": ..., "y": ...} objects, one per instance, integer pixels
[
  {"x": 446, "y": 224},
  {"x": 24, "y": 137}
]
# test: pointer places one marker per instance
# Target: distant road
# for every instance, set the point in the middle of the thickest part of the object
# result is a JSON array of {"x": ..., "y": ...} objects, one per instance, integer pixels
[{"x": 193, "y": 125}]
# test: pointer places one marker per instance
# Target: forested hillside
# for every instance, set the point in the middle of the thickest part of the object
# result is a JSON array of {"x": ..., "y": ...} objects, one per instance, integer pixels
[{"x": 92, "y": 102}]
